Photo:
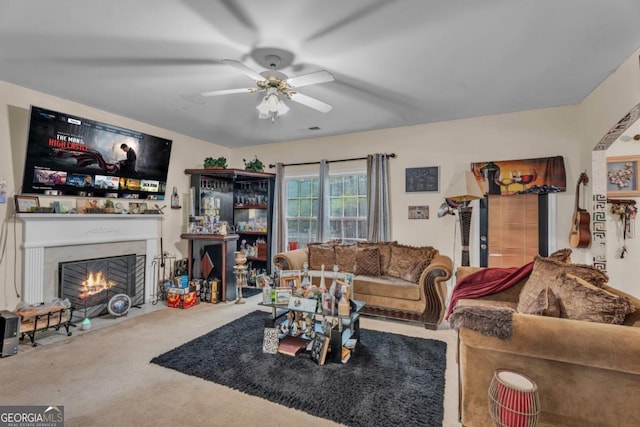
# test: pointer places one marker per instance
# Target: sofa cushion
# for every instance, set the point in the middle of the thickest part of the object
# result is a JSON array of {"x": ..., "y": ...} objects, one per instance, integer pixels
[
  {"x": 386, "y": 286},
  {"x": 546, "y": 304},
  {"x": 384, "y": 249},
  {"x": 545, "y": 273},
  {"x": 346, "y": 257},
  {"x": 367, "y": 262},
  {"x": 404, "y": 258},
  {"x": 321, "y": 254},
  {"x": 580, "y": 300}
]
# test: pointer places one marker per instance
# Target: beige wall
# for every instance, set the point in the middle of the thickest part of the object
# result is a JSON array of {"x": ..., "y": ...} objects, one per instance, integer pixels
[
  {"x": 15, "y": 101},
  {"x": 600, "y": 111},
  {"x": 452, "y": 146},
  {"x": 568, "y": 131}
]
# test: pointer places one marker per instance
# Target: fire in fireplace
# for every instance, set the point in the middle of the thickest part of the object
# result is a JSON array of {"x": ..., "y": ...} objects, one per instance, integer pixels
[
  {"x": 95, "y": 283},
  {"x": 90, "y": 283}
]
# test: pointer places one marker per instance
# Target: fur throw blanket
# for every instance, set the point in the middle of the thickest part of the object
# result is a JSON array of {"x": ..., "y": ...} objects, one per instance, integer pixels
[{"x": 490, "y": 321}]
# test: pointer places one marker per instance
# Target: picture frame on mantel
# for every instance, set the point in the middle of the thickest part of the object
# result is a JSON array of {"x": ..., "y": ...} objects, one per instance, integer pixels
[
  {"x": 623, "y": 176},
  {"x": 424, "y": 179},
  {"x": 26, "y": 203}
]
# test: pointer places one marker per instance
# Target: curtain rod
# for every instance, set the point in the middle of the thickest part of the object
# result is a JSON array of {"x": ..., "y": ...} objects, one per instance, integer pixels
[{"x": 392, "y": 155}]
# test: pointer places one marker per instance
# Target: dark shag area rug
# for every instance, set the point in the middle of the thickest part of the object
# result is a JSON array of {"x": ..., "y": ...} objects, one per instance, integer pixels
[{"x": 390, "y": 379}]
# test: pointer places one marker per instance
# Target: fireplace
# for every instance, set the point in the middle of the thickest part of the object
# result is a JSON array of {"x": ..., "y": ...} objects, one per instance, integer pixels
[
  {"x": 90, "y": 283},
  {"x": 50, "y": 239}
]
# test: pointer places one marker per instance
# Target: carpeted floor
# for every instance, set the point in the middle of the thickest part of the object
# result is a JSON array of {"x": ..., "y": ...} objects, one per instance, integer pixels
[{"x": 390, "y": 380}]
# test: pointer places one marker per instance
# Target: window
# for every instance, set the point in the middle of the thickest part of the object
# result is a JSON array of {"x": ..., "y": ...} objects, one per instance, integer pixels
[
  {"x": 302, "y": 210},
  {"x": 347, "y": 208}
]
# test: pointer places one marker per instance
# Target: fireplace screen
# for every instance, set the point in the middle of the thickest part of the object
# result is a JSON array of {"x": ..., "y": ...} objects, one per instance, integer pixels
[{"x": 90, "y": 283}]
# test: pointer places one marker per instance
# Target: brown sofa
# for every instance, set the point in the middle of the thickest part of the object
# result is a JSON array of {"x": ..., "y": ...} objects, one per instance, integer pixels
[
  {"x": 394, "y": 280},
  {"x": 587, "y": 372}
]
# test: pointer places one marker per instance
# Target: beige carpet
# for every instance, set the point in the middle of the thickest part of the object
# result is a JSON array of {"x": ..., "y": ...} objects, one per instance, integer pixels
[{"x": 103, "y": 377}]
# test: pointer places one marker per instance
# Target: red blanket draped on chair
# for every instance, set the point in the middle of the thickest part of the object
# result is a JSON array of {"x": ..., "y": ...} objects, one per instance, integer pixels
[{"x": 486, "y": 282}]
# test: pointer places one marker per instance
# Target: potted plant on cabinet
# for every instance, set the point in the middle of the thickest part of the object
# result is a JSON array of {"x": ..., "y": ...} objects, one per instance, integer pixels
[
  {"x": 253, "y": 165},
  {"x": 219, "y": 163}
]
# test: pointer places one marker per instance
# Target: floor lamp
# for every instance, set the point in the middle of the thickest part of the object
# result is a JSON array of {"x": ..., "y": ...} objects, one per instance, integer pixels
[{"x": 463, "y": 189}]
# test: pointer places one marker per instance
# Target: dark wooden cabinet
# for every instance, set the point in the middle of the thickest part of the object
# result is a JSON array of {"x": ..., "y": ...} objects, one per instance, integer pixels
[
  {"x": 241, "y": 198},
  {"x": 219, "y": 251}
]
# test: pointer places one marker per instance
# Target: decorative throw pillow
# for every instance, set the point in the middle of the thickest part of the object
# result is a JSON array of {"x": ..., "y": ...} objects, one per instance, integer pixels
[
  {"x": 404, "y": 258},
  {"x": 367, "y": 262},
  {"x": 346, "y": 257},
  {"x": 417, "y": 270},
  {"x": 319, "y": 254},
  {"x": 562, "y": 255},
  {"x": 545, "y": 274},
  {"x": 582, "y": 301},
  {"x": 545, "y": 305},
  {"x": 384, "y": 249}
]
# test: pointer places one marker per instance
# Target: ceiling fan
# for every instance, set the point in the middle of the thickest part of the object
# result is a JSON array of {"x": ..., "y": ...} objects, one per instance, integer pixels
[{"x": 275, "y": 83}]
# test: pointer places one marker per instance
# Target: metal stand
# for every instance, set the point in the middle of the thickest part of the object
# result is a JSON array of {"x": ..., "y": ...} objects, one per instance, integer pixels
[
  {"x": 161, "y": 275},
  {"x": 465, "y": 228}
]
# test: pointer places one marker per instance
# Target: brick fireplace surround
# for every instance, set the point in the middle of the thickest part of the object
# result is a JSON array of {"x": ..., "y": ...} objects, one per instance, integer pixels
[{"x": 51, "y": 238}]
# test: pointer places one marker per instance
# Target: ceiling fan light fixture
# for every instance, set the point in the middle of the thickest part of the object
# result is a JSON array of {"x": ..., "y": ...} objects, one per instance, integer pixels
[{"x": 271, "y": 107}]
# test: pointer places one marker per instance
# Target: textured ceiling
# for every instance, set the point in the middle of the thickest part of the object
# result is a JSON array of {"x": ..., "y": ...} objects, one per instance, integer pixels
[{"x": 395, "y": 63}]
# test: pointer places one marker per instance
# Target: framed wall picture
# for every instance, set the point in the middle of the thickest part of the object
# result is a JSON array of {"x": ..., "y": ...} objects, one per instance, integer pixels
[
  {"x": 26, "y": 203},
  {"x": 418, "y": 212},
  {"x": 622, "y": 176},
  {"x": 422, "y": 179}
]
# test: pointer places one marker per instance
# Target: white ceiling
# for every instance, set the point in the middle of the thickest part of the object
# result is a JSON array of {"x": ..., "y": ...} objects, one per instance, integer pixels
[{"x": 396, "y": 63}]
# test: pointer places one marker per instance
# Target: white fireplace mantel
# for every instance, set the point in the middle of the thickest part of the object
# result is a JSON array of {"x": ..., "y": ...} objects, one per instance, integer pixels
[{"x": 42, "y": 231}]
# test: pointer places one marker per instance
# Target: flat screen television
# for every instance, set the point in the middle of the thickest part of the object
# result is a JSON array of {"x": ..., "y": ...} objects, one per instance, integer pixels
[{"x": 73, "y": 156}]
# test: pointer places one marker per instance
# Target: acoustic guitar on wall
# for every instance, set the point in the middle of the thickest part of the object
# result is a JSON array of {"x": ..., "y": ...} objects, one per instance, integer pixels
[{"x": 580, "y": 235}]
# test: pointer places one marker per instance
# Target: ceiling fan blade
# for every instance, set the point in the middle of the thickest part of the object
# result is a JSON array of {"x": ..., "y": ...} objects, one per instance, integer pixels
[
  {"x": 229, "y": 91},
  {"x": 311, "y": 79},
  {"x": 310, "y": 102},
  {"x": 241, "y": 67}
]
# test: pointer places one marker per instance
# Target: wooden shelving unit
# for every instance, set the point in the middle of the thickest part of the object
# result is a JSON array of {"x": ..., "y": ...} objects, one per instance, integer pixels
[{"x": 240, "y": 197}]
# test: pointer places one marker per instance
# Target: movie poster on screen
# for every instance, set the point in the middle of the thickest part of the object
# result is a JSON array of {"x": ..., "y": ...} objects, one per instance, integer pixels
[{"x": 77, "y": 156}]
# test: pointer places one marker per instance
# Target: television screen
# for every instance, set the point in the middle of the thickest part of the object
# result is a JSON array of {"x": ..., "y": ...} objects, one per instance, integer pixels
[{"x": 74, "y": 156}]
